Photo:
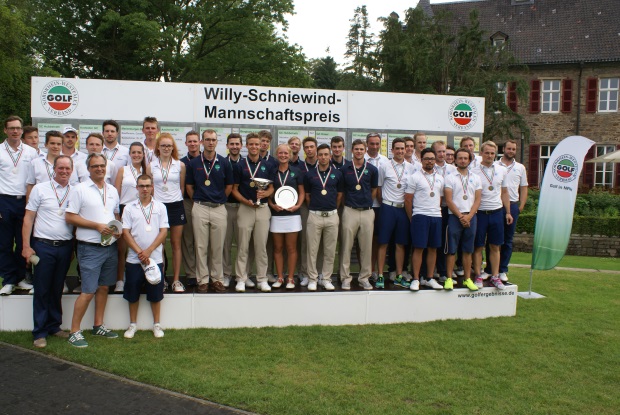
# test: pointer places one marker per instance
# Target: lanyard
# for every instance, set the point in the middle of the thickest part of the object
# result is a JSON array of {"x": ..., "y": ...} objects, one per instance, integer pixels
[
  {"x": 252, "y": 173},
  {"x": 318, "y": 173},
  {"x": 285, "y": 177},
  {"x": 61, "y": 201},
  {"x": 402, "y": 172},
  {"x": 147, "y": 216},
  {"x": 19, "y": 156},
  {"x": 165, "y": 172}
]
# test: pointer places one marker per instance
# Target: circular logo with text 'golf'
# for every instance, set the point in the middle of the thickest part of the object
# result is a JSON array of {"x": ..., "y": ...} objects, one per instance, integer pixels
[
  {"x": 463, "y": 114},
  {"x": 59, "y": 98},
  {"x": 565, "y": 168}
]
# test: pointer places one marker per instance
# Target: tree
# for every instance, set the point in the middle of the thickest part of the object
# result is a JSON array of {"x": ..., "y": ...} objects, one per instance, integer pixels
[
  {"x": 362, "y": 72},
  {"x": 178, "y": 41},
  {"x": 426, "y": 55},
  {"x": 325, "y": 73}
]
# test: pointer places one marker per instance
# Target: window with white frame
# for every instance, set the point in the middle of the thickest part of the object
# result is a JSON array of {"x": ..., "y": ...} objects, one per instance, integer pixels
[
  {"x": 551, "y": 95},
  {"x": 608, "y": 95},
  {"x": 604, "y": 172},
  {"x": 545, "y": 154},
  {"x": 502, "y": 90}
]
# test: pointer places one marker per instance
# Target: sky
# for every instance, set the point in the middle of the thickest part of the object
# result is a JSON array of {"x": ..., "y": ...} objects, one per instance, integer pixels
[{"x": 319, "y": 24}]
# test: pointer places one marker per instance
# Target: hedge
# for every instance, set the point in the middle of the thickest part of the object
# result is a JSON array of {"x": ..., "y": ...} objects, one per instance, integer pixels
[{"x": 582, "y": 225}]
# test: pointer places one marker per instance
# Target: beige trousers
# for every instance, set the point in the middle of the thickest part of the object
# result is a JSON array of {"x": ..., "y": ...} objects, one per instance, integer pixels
[
  {"x": 231, "y": 233},
  {"x": 302, "y": 246},
  {"x": 253, "y": 225},
  {"x": 356, "y": 223},
  {"x": 188, "y": 250},
  {"x": 209, "y": 233},
  {"x": 321, "y": 229}
]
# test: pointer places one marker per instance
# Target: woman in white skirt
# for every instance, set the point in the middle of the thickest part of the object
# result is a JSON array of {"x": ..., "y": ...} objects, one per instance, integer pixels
[
  {"x": 286, "y": 222},
  {"x": 168, "y": 174},
  {"x": 126, "y": 186}
]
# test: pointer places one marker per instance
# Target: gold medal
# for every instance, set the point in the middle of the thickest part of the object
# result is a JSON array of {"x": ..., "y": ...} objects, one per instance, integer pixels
[
  {"x": 491, "y": 188},
  {"x": 358, "y": 187},
  {"x": 432, "y": 194},
  {"x": 464, "y": 197},
  {"x": 323, "y": 192},
  {"x": 252, "y": 184},
  {"x": 399, "y": 185},
  {"x": 207, "y": 182}
]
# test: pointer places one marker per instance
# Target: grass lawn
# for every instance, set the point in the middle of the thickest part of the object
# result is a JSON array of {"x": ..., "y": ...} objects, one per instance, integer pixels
[
  {"x": 570, "y": 261},
  {"x": 560, "y": 354}
]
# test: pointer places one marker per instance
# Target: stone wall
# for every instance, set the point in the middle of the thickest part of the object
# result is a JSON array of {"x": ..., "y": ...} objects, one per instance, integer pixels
[{"x": 583, "y": 245}]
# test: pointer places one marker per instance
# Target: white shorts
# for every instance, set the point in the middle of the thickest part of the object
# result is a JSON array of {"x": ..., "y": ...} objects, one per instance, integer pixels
[{"x": 285, "y": 224}]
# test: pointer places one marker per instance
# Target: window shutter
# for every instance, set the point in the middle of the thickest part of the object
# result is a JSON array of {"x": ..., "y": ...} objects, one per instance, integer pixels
[
  {"x": 591, "y": 95},
  {"x": 617, "y": 167},
  {"x": 567, "y": 95},
  {"x": 532, "y": 174},
  {"x": 588, "y": 168},
  {"x": 512, "y": 96},
  {"x": 535, "y": 97}
]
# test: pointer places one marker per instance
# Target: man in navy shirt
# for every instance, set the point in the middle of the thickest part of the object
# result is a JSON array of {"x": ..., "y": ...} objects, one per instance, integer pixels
[
  {"x": 324, "y": 191},
  {"x": 209, "y": 181},
  {"x": 360, "y": 188},
  {"x": 253, "y": 217},
  {"x": 192, "y": 141}
]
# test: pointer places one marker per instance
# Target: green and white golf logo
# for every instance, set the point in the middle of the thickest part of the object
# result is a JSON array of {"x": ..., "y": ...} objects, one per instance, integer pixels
[
  {"x": 59, "y": 98},
  {"x": 565, "y": 168},
  {"x": 463, "y": 114}
]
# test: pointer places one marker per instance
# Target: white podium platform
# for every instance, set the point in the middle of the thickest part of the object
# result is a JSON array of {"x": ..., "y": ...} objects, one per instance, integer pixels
[{"x": 281, "y": 309}]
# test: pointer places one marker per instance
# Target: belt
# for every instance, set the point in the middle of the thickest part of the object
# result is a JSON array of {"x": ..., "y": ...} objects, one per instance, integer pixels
[
  {"x": 208, "y": 204},
  {"x": 18, "y": 197},
  {"x": 514, "y": 203},
  {"x": 489, "y": 212},
  {"x": 394, "y": 204},
  {"x": 53, "y": 243},
  {"x": 324, "y": 213},
  {"x": 232, "y": 204},
  {"x": 359, "y": 208},
  {"x": 95, "y": 244}
]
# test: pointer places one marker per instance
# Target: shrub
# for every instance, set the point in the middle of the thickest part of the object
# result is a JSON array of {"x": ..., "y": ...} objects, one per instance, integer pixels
[{"x": 582, "y": 225}]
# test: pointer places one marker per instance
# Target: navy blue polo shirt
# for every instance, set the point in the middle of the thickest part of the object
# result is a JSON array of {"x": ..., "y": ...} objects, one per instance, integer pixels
[
  {"x": 233, "y": 163},
  {"x": 339, "y": 166},
  {"x": 369, "y": 180},
  {"x": 271, "y": 161},
  {"x": 294, "y": 179},
  {"x": 305, "y": 167},
  {"x": 313, "y": 186},
  {"x": 297, "y": 163},
  {"x": 221, "y": 176},
  {"x": 186, "y": 161},
  {"x": 243, "y": 177}
]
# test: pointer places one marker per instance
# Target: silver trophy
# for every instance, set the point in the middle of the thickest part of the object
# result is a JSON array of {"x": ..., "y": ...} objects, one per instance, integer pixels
[{"x": 262, "y": 184}]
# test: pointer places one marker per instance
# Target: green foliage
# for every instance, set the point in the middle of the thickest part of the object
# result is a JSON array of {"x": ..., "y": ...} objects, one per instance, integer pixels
[
  {"x": 325, "y": 73},
  {"x": 597, "y": 203},
  {"x": 362, "y": 73},
  {"x": 582, "y": 225}
]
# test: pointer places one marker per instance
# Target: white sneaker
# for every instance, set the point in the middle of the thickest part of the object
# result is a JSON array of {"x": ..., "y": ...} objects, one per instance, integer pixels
[
  {"x": 31, "y": 292},
  {"x": 78, "y": 289},
  {"x": 406, "y": 276},
  {"x": 484, "y": 275},
  {"x": 240, "y": 287},
  {"x": 392, "y": 275},
  {"x": 304, "y": 282},
  {"x": 460, "y": 271},
  {"x": 365, "y": 285},
  {"x": 65, "y": 289},
  {"x": 346, "y": 285},
  {"x": 503, "y": 277},
  {"x": 178, "y": 287},
  {"x": 311, "y": 286},
  {"x": 374, "y": 276},
  {"x": 415, "y": 285},
  {"x": 23, "y": 285},
  {"x": 226, "y": 282},
  {"x": 131, "y": 331},
  {"x": 249, "y": 283},
  {"x": 264, "y": 286},
  {"x": 290, "y": 285},
  {"x": 120, "y": 286},
  {"x": 7, "y": 289},
  {"x": 442, "y": 279},
  {"x": 454, "y": 276},
  {"x": 432, "y": 284},
  {"x": 157, "y": 331},
  {"x": 327, "y": 284},
  {"x": 277, "y": 284},
  {"x": 436, "y": 275},
  {"x": 271, "y": 278}
]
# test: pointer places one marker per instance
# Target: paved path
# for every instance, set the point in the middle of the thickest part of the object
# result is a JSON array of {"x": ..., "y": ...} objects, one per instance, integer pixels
[{"x": 33, "y": 383}]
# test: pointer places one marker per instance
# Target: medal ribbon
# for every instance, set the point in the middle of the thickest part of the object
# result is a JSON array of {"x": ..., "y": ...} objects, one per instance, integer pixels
[
  {"x": 361, "y": 173},
  {"x": 428, "y": 181},
  {"x": 490, "y": 180},
  {"x": 207, "y": 171},
  {"x": 285, "y": 177},
  {"x": 147, "y": 217},
  {"x": 441, "y": 170},
  {"x": 402, "y": 172},
  {"x": 165, "y": 172},
  {"x": 103, "y": 194},
  {"x": 19, "y": 156},
  {"x": 308, "y": 167},
  {"x": 464, "y": 183},
  {"x": 60, "y": 201},
  {"x": 107, "y": 152},
  {"x": 511, "y": 166},
  {"x": 252, "y": 173},
  {"x": 134, "y": 173},
  {"x": 324, "y": 183},
  {"x": 51, "y": 173}
]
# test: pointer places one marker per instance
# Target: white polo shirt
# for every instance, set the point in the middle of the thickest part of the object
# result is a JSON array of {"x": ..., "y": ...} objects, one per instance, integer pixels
[
  {"x": 376, "y": 161},
  {"x": 492, "y": 179},
  {"x": 87, "y": 200},
  {"x": 49, "y": 200},
  {"x": 389, "y": 173},
  {"x": 77, "y": 157},
  {"x": 421, "y": 185},
  {"x": 445, "y": 171},
  {"x": 463, "y": 186},
  {"x": 517, "y": 176},
  {"x": 41, "y": 171},
  {"x": 149, "y": 155},
  {"x": 134, "y": 219},
  {"x": 129, "y": 193},
  {"x": 173, "y": 181},
  {"x": 476, "y": 162},
  {"x": 119, "y": 155},
  {"x": 14, "y": 166}
]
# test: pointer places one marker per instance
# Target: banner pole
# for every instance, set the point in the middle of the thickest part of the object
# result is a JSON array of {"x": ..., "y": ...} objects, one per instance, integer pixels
[{"x": 531, "y": 272}]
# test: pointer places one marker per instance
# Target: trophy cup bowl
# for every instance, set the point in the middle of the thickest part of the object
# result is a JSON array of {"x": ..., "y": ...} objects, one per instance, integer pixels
[{"x": 262, "y": 184}]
